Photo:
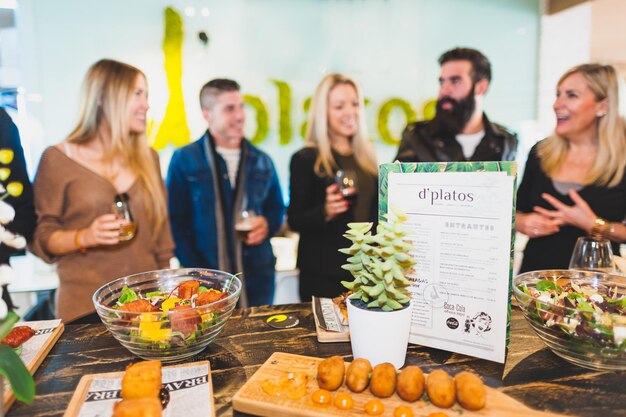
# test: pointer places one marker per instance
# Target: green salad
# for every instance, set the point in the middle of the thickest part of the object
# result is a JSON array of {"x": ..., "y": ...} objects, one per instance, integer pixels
[
  {"x": 592, "y": 317},
  {"x": 171, "y": 318}
]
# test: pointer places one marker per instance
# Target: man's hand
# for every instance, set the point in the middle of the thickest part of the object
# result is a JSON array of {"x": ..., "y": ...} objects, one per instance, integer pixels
[{"x": 259, "y": 231}]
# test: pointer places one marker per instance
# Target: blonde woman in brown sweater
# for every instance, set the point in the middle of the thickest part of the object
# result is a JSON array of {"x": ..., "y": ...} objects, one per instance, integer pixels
[{"x": 105, "y": 155}]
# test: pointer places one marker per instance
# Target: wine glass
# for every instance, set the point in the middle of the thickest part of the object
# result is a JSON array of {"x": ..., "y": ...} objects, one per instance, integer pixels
[
  {"x": 592, "y": 254},
  {"x": 121, "y": 208},
  {"x": 243, "y": 223},
  {"x": 346, "y": 180}
]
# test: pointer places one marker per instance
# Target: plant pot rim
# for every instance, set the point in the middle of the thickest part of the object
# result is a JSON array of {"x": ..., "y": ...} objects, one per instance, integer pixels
[{"x": 377, "y": 309}]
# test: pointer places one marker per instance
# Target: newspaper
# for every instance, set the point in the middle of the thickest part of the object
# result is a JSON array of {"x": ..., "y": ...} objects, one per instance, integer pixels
[
  {"x": 189, "y": 387},
  {"x": 327, "y": 315},
  {"x": 43, "y": 332}
]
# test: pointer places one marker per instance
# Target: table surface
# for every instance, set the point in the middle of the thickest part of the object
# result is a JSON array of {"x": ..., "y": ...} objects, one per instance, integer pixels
[{"x": 532, "y": 374}]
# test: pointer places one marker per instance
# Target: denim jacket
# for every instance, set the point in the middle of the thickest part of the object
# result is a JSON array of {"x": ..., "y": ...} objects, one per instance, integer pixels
[{"x": 191, "y": 196}]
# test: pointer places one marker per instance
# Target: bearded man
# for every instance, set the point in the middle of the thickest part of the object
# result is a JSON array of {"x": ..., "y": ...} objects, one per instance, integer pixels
[{"x": 460, "y": 130}]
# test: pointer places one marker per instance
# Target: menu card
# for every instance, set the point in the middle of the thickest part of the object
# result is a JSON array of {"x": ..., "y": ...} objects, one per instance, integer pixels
[{"x": 460, "y": 221}]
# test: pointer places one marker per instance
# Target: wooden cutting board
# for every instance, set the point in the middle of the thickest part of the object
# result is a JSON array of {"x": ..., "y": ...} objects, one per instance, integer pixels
[
  {"x": 34, "y": 351},
  {"x": 82, "y": 390},
  {"x": 253, "y": 400}
]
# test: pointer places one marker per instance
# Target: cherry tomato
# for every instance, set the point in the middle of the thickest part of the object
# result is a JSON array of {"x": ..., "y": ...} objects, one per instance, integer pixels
[
  {"x": 321, "y": 396},
  {"x": 343, "y": 401},
  {"x": 374, "y": 407},
  {"x": 403, "y": 411}
]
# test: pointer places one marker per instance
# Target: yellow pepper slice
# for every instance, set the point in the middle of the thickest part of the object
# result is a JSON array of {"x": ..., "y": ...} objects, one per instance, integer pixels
[{"x": 150, "y": 328}]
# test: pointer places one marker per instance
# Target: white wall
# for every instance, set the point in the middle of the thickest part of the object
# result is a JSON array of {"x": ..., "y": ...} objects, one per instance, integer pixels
[
  {"x": 390, "y": 47},
  {"x": 565, "y": 42}
]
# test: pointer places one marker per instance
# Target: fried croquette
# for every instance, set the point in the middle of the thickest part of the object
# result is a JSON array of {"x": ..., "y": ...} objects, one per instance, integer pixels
[
  {"x": 383, "y": 381},
  {"x": 440, "y": 388},
  {"x": 138, "y": 407},
  {"x": 142, "y": 380},
  {"x": 358, "y": 375},
  {"x": 470, "y": 391},
  {"x": 410, "y": 383},
  {"x": 330, "y": 373}
]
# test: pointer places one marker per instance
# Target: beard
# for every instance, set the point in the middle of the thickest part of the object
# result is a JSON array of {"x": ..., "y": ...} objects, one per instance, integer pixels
[{"x": 452, "y": 121}]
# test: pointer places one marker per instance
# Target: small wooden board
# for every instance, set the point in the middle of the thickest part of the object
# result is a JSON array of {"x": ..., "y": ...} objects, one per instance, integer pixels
[
  {"x": 253, "y": 400},
  {"x": 51, "y": 330},
  {"x": 82, "y": 390},
  {"x": 326, "y": 336}
]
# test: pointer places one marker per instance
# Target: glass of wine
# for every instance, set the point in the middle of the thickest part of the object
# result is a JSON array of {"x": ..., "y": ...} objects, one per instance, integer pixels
[
  {"x": 244, "y": 223},
  {"x": 592, "y": 254},
  {"x": 347, "y": 182},
  {"x": 121, "y": 209}
]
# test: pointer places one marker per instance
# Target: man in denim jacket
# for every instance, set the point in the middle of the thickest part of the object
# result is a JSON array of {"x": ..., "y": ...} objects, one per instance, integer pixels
[{"x": 210, "y": 182}]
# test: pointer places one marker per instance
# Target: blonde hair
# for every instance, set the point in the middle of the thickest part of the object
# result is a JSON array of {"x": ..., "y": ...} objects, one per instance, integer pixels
[
  {"x": 608, "y": 167},
  {"x": 106, "y": 95},
  {"x": 317, "y": 130}
]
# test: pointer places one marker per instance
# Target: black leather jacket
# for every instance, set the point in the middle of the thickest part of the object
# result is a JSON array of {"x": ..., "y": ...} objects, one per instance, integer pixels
[{"x": 421, "y": 143}]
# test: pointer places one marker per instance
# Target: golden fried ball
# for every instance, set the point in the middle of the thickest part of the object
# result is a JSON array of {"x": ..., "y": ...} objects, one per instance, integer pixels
[
  {"x": 383, "y": 382},
  {"x": 330, "y": 373},
  {"x": 470, "y": 391},
  {"x": 440, "y": 388},
  {"x": 358, "y": 375},
  {"x": 410, "y": 383}
]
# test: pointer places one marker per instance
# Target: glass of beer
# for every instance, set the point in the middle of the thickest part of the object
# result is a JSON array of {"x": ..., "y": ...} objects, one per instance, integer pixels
[
  {"x": 121, "y": 209},
  {"x": 244, "y": 223}
]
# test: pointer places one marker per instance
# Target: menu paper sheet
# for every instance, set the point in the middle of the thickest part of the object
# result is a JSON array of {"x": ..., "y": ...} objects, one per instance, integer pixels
[
  {"x": 189, "y": 388},
  {"x": 460, "y": 223},
  {"x": 327, "y": 315}
]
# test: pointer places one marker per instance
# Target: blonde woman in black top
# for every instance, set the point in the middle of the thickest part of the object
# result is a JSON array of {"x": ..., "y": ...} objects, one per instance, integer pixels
[
  {"x": 336, "y": 139},
  {"x": 574, "y": 182}
]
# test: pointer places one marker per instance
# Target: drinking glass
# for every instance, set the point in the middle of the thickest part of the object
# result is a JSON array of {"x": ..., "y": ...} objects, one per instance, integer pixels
[
  {"x": 244, "y": 223},
  {"x": 121, "y": 208},
  {"x": 347, "y": 182},
  {"x": 592, "y": 254}
]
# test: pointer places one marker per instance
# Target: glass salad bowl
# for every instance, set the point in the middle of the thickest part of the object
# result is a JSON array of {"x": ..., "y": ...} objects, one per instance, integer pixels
[
  {"x": 168, "y": 315},
  {"x": 579, "y": 315}
]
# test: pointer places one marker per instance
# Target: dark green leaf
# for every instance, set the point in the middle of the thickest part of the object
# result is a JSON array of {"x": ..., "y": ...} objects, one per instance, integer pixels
[{"x": 13, "y": 369}]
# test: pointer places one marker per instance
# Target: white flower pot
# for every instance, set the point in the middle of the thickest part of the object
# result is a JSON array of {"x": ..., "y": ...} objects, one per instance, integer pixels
[{"x": 379, "y": 336}]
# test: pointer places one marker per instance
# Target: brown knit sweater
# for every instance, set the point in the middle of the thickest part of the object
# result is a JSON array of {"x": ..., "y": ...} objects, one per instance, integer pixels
[{"x": 69, "y": 196}]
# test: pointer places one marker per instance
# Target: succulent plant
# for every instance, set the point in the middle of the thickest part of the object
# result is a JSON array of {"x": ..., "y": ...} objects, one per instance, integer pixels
[{"x": 379, "y": 264}]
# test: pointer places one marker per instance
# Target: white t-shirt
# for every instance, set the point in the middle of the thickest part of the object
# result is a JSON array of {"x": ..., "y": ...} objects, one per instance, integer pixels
[
  {"x": 231, "y": 156},
  {"x": 470, "y": 142}
]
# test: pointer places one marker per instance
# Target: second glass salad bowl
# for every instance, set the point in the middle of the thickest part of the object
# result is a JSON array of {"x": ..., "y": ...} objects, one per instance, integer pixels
[{"x": 580, "y": 315}]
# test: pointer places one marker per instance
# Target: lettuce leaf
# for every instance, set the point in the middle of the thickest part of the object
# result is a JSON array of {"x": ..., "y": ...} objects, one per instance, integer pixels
[{"x": 127, "y": 296}]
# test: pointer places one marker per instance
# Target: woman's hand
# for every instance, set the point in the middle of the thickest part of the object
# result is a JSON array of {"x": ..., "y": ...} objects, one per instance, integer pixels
[
  {"x": 535, "y": 225},
  {"x": 335, "y": 204},
  {"x": 104, "y": 230},
  {"x": 579, "y": 215}
]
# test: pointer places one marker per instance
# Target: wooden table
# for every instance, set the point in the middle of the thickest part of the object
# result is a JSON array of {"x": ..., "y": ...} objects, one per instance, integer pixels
[{"x": 532, "y": 373}]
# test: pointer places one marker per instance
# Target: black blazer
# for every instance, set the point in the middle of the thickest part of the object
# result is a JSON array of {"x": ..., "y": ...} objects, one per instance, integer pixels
[
  {"x": 422, "y": 143},
  {"x": 25, "y": 218}
]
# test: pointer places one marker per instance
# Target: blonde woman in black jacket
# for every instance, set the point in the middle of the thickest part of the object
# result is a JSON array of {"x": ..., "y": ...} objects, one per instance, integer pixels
[{"x": 336, "y": 139}]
